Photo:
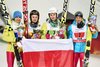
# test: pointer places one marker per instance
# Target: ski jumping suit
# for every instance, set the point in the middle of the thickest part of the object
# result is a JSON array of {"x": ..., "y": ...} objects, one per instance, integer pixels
[
  {"x": 50, "y": 32},
  {"x": 10, "y": 47},
  {"x": 79, "y": 40}
]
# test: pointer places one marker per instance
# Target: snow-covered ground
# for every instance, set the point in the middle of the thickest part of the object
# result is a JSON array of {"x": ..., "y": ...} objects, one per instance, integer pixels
[{"x": 94, "y": 60}]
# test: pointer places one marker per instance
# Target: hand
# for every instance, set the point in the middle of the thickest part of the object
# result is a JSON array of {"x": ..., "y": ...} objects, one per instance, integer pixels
[
  {"x": 20, "y": 27},
  {"x": 23, "y": 26},
  {"x": 30, "y": 33},
  {"x": 93, "y": 28},
  {"x": 62, "y": 25},
  {"x": 16, "y": 46},
  {"x": 96, "y": 28}
]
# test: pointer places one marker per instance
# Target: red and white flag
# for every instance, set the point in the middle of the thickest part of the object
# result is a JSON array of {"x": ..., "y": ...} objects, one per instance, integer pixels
[{"x": 47, "y": 53}]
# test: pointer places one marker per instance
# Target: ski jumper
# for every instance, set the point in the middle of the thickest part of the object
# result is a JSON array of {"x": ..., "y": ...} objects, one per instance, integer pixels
[{"x": 79, "y": 36}]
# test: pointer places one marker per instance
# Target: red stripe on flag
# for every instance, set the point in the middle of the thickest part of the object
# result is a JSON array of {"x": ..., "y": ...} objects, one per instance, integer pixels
[{"x": 61, "y": 58}]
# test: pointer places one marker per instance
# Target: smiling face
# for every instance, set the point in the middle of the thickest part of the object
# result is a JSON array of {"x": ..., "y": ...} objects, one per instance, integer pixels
[
  {"x": 18, "y": 19},
  {"x": 34, "y": 18},
  {"x": 78, "y": 19},
  {"x": 53, "y": 16}
]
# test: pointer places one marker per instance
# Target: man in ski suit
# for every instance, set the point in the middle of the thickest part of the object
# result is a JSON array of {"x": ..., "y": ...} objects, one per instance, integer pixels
[
  {"x": 78, "y": 32},
  {"x": 52, "y": 27},
  {"x": 34, "y": 26},
  {"x": 18, "y": 29}
]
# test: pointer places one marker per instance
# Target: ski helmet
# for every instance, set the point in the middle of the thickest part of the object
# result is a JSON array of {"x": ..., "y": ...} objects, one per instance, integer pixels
[
  {"x": 78, "y": 13},
  {"x": 34, "y": 12},
  {"x": 52, "y": 10},
  {"x": 17, "y": 14}
]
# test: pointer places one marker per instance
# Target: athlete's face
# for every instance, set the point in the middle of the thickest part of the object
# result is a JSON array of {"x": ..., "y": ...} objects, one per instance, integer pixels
[
  {"x": 78, "y": 19},
  {"x": 53, "y": 16},
  {"x": 18, "y": 19},
  {"x": 34, "y": 18}
]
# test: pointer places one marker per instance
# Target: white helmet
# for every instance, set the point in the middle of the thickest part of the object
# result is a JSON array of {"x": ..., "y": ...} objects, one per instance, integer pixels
[{"x": 52, "y": 10}]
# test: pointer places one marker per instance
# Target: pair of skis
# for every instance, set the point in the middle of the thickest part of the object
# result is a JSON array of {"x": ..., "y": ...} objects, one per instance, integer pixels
[
  {"x": 25, "y": 16},
  {"x": 89, "y": 38},
  {"x": 7, "y": 19}
]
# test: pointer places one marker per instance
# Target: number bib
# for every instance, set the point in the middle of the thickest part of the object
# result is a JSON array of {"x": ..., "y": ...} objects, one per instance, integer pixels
[{"x": 79, "y": 34}]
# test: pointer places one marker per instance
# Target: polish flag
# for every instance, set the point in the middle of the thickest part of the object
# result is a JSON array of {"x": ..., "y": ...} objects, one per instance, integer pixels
[{"x": 47, "y": 52}]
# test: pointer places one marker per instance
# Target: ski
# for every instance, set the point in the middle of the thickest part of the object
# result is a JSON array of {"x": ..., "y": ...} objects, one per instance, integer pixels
[
  {"x": 25, "y": 16},
  {"x": 18, "y": 57},
  {"x": 88, "y": 40},
  {"x": 7, "y": 18},
  {"x": 5, "y": 13},
  {"x": 64, "y": 13}
]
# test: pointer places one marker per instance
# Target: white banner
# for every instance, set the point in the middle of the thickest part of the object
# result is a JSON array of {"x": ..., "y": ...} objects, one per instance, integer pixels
[{"x": 30, "y": 45}]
